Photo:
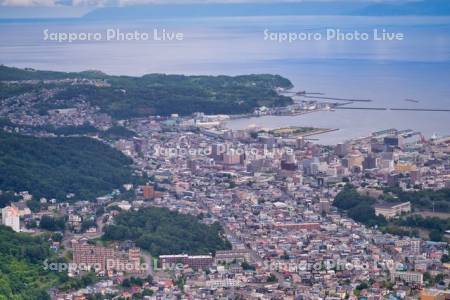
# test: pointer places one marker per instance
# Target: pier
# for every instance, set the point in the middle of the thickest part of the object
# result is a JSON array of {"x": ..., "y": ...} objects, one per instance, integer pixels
[
  {"x": 337, "y": 99},
  {"x": 422, "y": 109},
  {"x": 302, "y": 93},
  {"x": 365, "y": 108},
  {"x": 395, "y": 109}
]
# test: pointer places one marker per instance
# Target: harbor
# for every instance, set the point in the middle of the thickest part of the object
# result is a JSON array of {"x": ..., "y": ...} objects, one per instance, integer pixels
[{"x": 342, "y": 119}]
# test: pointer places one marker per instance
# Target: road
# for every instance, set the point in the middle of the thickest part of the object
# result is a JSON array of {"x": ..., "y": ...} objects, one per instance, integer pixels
[{"x": 68, "y": 236}]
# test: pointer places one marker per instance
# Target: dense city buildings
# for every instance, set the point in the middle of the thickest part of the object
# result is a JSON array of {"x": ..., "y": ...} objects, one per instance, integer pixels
[{"x": 304, "y": 221}]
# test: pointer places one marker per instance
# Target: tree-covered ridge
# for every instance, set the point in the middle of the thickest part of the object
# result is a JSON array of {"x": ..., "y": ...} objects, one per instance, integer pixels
[
  {"x": 156, "y": 94},
  {"x": 54, "y": 167},
  {"x": 11, "y": 73},
  {"x": 360, "y": 208},
  {"x": 357, "y": 206},
  {"x": 162, "y": 231},
  {"x": 438, "y": 200},
  {"x": 22, "y": 272}
]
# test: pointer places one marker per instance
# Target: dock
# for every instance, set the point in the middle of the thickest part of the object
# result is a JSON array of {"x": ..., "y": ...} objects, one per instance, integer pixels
[
  {"x": 337, "y": 99},
  {"x": 365, "y": 108},
  {"x": 422, "y": 109}
]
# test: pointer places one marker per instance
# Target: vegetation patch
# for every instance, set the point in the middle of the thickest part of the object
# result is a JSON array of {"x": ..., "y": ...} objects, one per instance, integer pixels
[
  {"x": 162, "y": 231},
  {"x": 152, "y": 94},
  {"x": 55, "y": 167}
]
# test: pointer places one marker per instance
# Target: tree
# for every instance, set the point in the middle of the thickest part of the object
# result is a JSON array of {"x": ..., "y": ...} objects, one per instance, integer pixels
[
  {"x": 272, "y": 278},
  {"x": 362, "y": 286},
  {"x": 57, "y": 237},
  {"x": 285, "y": 255},
  {"x": 52, "y": 224},
  {"x": 22, "y": 257},
  {"x": 428, "y": 278},
  {"x": 34, "y": 205},
  {"x": 362, "y": 213},
  {"x": 436, "y": 235},
  {"x": 126, "y": 283},
  {"x": 89, "y": 279},
  {"x": 55, "y": 167},
  {"x": 439, "y": 278},
  {"x": 246, "y": 266},
  {"x": 156, "y": 94},
  {"x": 7, "y": 197},
  {"x": 162, "y": 231},
  {"x": 88, "y": 223}
]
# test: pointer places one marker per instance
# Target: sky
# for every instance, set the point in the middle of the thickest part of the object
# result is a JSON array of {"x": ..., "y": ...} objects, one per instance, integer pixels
[
  {"x": 102, "y": 3},
  {"x": 23, "y": 9}
]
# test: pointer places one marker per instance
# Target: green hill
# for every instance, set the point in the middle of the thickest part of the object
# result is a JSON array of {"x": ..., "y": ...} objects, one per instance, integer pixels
[
  {"x": 162, "y": 231},
  {"x": 53, "y": 167},
  {"x": 22, "y": 273},
  {"x": 152, "y": 94}
]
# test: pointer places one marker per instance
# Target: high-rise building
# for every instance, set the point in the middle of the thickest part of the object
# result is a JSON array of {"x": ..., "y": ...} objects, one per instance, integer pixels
[
  {"x": 106, "y": 259},
  {"x": 410, "y": 277},
  {"x": 393, "y": 179},
  {"x": 11, "y": 218},
  {"x": 139, "y": 144},
  {"x": 342, "y": 149},
  {"x": 288, "y": 162},
  {"x": 197, "y": 261},
  {"x": 415, "y": 246},
  {"x": 148, "y": 192},
  {"x": 324, "y": 206},
  {"x": 217, "y": 151},
  {"x": 91, "y": 256},
  {"x": 355, "y": 159},
  {"x": 231, "y": 158},
  {"x": 393, "y": 141},
  {"x": 370, "y": 162},
  {"x": 376, "y": 146}
]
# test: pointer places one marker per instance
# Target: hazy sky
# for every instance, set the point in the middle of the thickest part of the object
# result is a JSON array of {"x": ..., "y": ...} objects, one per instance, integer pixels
[
  {"x": 97, "y": 3},
  {"x": 16, "y": 9}
]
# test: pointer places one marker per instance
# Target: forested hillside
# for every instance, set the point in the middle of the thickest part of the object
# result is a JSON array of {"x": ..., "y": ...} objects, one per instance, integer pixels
[
  {"x": 22, "y": 274},
  {"x": 54, "y": 167},
  {"x": 152, "y": 94},
  {"x": 162, "y": 231}
]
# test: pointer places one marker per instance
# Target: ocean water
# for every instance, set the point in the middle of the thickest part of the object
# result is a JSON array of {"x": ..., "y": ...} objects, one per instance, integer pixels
[{"x": 387, "y": 72}]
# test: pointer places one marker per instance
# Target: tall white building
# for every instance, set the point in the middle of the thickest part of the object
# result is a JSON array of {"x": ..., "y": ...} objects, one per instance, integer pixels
[{"x": 10, "y": 218}]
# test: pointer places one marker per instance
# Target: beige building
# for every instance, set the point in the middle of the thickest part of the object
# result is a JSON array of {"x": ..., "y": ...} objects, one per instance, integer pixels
[
  {"x": 390, "y": 210},
  {"x": 434, "y": 294},
  {"x": 410, "y": 277},
  {"x": 11, "y": 217},
  {"x": 87, "y": 256},
  {"x": 222, "y": 283},
  {"x": 231, "y": 255}
]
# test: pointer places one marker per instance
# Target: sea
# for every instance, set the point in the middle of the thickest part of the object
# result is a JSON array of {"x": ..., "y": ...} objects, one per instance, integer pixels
[{"x": 354, "y": 64}]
